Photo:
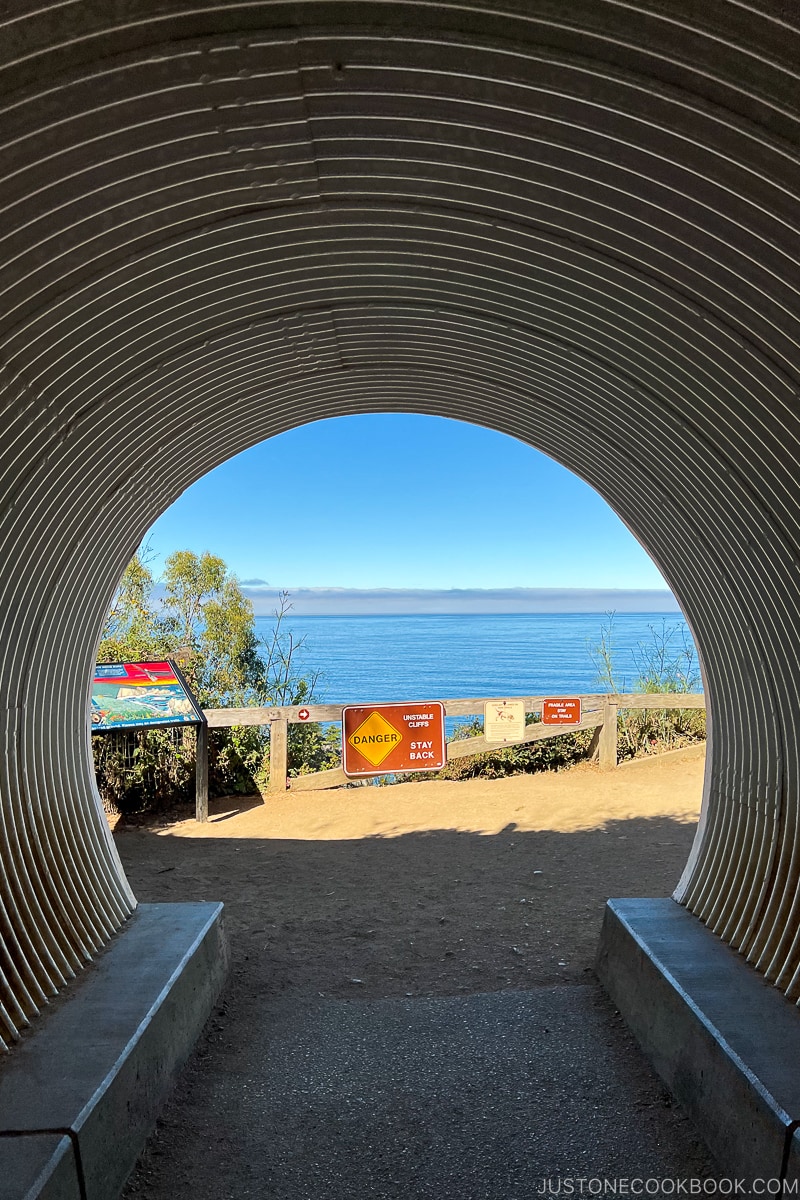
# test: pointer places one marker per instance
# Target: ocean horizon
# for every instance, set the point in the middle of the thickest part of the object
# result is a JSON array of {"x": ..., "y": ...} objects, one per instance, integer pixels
[
  {"x": 413, "y": 602},
  {"x": 386, "y": 657}
]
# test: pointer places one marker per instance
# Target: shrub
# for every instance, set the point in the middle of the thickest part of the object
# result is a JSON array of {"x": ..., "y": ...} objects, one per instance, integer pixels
[
  {"x": 314, "y": 747},
  {"x": 667, "y": 663},
  {"x": 139, "y": 769},
  {"x": 552, "y": 754}
]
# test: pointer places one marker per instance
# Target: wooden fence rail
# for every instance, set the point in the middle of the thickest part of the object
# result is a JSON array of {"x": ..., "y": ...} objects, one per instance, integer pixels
[{"x": 598, "y": 711}]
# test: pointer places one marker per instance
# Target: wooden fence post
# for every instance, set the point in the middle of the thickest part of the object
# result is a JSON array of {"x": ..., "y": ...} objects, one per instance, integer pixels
[
  {"x": 608, "y": 735},
  {"x": 278, "y": 755},
  {"x": 201, "y": 774}
]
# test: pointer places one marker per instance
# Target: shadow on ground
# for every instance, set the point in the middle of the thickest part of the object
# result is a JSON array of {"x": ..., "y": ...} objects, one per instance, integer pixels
[{"x": 428, "y": 913}]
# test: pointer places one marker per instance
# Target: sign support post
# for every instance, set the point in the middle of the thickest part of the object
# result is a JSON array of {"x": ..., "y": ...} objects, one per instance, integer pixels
[{"x": 201, "y": 773}]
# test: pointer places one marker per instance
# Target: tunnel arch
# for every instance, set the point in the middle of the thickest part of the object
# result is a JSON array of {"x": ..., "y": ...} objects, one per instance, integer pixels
[{"x": 220, "y": 221}]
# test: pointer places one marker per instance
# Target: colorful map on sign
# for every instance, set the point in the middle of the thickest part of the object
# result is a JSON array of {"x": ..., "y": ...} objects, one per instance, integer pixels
[{"x": 131, "y": 695}]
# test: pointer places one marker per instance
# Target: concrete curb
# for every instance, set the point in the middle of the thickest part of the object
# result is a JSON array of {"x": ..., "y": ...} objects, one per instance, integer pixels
[
  {"x": 725, "y": 1042},
  {"x": 40, "y": 1166},
  {"x": 97, "y": 1071},
  {"x": 793, "y": 1162}
]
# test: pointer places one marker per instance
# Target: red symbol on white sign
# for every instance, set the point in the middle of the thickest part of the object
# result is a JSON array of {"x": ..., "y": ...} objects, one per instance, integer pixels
[{"x": 303, "y": 714}]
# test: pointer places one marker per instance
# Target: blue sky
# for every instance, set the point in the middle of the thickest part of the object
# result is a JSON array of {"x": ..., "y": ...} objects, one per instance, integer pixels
[{"x": 403, "y": 501}]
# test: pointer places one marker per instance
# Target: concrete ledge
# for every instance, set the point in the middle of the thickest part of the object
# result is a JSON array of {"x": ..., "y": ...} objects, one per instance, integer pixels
[
  {"x": 97, "y": 1070},
  {"x": 793, "y": 1164},
  {"x": 725, "y": 1042},
  {"x": 39, "y": 1166}
]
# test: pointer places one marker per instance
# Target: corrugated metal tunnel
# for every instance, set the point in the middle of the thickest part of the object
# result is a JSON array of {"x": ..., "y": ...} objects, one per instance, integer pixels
[{"x": 574, "y": 223}]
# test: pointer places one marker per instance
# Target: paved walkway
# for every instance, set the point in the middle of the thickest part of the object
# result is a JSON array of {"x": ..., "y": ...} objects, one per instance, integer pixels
[{"x": 483, "y": 1097}]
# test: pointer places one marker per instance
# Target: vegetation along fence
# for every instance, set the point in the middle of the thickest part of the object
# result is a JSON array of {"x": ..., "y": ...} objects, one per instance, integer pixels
[{"x": 598, "y": 712}]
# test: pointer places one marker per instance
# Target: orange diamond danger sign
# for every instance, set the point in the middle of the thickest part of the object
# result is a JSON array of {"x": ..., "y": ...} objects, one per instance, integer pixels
[
  {"x": 375, "y": 739},
  {"x": 382, "y": 738}
]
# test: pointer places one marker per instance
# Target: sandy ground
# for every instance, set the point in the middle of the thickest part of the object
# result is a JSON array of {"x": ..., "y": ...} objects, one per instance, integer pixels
[
  {"x": 412, "y": 1011},
  {"x": 427, "y": 888}
]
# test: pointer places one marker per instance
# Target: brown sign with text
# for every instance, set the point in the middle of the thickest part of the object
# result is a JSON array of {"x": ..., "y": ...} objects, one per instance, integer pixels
[
  {"x": 562, "y": 710},
  {"x": 382, "y": 738}
]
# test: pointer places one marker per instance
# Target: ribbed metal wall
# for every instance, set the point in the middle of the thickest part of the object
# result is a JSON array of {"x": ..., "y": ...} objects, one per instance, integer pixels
[{"x": 575, "y": 222}]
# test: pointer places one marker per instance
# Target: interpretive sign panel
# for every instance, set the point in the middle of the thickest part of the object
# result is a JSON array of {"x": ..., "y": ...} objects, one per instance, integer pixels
[
  {"x": 381, "y": 738},
  {"x": 563, "y": 710},
  {"x": 141, "y": 695},
  {"x": 504, "y": 720}
]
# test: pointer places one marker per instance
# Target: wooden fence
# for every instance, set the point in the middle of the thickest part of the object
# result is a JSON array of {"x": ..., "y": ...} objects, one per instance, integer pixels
[{"x": 598, "y": 712}]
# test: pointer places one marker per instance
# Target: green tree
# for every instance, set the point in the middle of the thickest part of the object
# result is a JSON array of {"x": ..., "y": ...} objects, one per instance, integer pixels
[
  {"x": 132, "y": 629},
  {"x": 190, "y": 580},
  {"x": 234, "y": 667},
  {"x": 208, "y": 615},
  {"x": 197, "y": 613}
]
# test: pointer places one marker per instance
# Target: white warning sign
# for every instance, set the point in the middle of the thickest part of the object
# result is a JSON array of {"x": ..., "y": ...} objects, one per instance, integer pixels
[{"x": 503, "y": 720}]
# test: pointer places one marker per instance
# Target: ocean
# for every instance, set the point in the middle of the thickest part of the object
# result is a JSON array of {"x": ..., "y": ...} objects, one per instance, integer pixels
[{"x": 386, "y": 658}]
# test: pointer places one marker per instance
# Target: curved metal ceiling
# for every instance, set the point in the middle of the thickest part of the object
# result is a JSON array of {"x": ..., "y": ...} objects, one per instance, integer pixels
[{"x": 576, "y": 223}]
